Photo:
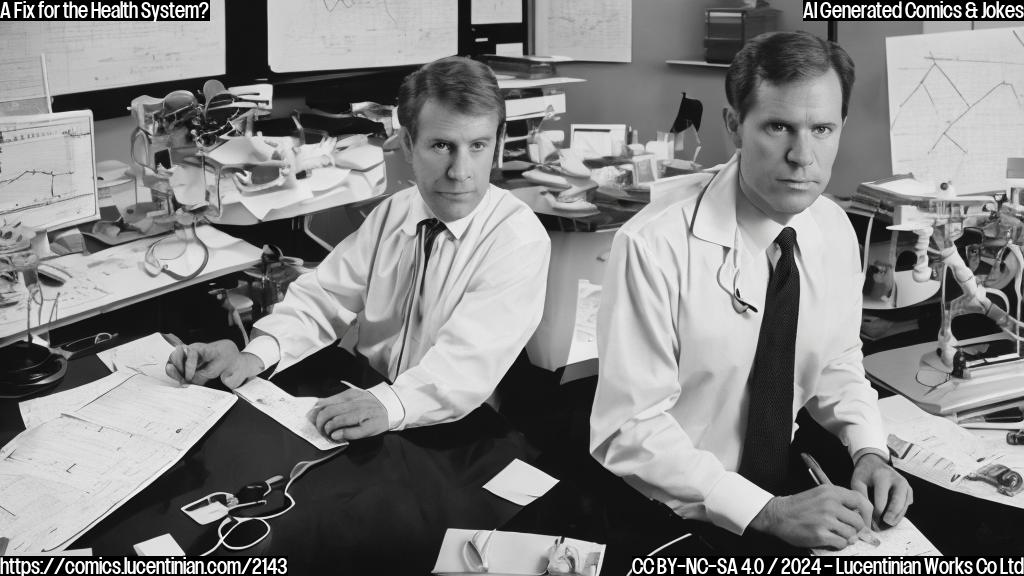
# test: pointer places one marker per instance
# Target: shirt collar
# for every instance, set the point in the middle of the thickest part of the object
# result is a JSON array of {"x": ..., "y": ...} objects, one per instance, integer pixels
[
  {"x": 724, "y": 210},
  {"x": 419, "y": 210}
]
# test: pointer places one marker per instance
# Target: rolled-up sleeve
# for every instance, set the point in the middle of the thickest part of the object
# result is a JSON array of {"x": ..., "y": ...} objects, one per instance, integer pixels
[
  {"x": 633, "y": 433},
  {"x": 479, "y": 342},
  {"x": 320, "y": 305}
]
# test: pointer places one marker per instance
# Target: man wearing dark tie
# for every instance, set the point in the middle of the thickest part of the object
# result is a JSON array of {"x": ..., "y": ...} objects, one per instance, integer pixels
[
  {"x": 444, "y": 282},
  {"x": 735, "y": 302}
]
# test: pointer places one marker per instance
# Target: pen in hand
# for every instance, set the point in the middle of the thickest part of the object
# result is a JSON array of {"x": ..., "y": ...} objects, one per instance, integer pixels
[
  {"x": 180, "y": 345},
  {"x": 820, "y": 478}
]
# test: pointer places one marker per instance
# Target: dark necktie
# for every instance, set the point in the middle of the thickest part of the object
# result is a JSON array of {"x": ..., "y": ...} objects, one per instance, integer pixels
[
  {"x": 429, "y": 228},
  {"x": 765, "y": 457}
]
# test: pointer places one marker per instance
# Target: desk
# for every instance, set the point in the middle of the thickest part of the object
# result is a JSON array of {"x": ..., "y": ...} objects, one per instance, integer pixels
[
  {"x": 356, "y": 187},
  {"x": 114, "y": 278},
  {"x": 382, "y": 506}
]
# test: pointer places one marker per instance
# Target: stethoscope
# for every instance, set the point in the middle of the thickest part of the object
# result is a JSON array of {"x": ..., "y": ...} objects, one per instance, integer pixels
[{"x": 740, "y": 305}]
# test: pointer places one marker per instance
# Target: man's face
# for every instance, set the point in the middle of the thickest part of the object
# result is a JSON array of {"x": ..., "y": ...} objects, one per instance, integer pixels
[
  {"x": 788, "y": 142},
  {"x": 451, "y": 158}
]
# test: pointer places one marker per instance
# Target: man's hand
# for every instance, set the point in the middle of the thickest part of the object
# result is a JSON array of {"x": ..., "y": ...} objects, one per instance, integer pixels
[
  {"x": 200, "y": 362},
  {"x": 350, "y": 415},
  {"x": 888, "y": 489},
  {"x": 824, "y": 516}
]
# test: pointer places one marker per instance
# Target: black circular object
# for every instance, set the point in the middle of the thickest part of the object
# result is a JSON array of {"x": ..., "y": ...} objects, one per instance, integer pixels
[{"x": 27, "y": 368}]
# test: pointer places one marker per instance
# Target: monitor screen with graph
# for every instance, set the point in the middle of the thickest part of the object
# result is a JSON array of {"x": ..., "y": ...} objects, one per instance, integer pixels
[{"x": 48, "y": 170}]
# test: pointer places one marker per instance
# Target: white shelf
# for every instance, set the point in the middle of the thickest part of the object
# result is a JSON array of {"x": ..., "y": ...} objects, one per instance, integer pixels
[
  {"x": 520, "y": 83},
  {"x": 696, "y": 63}
]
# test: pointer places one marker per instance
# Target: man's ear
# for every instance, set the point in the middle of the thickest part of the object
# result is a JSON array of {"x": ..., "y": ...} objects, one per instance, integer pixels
[
  {"x": 405, "y": 138},
  {"x": 732, "y": 126}
]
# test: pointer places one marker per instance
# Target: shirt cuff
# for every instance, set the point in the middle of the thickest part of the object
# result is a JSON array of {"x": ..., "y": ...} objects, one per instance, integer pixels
[
  {"x": 860, "y": 438},
  {"x": 385, "y": 394},
  {"x": 266, "y": 349},
  {"x": 734, "y": 502},
  {"x": 869, "y": 450}
]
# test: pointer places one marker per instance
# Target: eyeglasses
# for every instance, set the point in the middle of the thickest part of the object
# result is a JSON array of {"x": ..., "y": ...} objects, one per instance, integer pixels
[
  {"x": 82, "y": 344},
  {"x": 236, "y": 532}
]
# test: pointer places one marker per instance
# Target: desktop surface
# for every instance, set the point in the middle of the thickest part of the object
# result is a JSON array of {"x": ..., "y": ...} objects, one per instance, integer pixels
[
  {"x": 114, "y": 278},
  {"x": 383, "y": 504}
]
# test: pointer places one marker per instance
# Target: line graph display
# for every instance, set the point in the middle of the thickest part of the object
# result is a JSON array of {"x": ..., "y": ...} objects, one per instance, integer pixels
[
  {"x": 308, "y": 35},
  {"x": 83, "y": 56},
  {"x": 48, "y": 170},
  {"x": 956, "y": 106}
]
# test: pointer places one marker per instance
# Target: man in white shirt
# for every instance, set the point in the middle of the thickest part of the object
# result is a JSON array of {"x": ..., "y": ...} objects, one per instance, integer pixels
[
  {"x": 444, "y": 281},
  {"x": 686, "y": 290}
]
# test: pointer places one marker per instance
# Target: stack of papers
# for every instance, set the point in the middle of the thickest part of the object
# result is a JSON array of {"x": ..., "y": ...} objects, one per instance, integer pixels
[
  {"x": 937, "y": 450},
  {"x": 83, "y": 456}
]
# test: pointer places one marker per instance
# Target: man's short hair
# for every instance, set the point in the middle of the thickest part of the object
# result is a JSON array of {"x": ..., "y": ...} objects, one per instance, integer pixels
[
  {"x": 782, "y": 58},
  {"x": 466, "y": 86}
]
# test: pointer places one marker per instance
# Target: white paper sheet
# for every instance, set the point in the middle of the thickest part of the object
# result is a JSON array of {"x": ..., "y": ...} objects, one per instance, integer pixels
[
  {"x": 289, "y": 411},
  {"x": 514, "y": 553},
  {"x": 584, "y": 335},
  {"x": 147, "y": 355},
  {"x": 939, "y": 451},
  {"x": 45, "y": 408},
  {"x": 903, "y": 539},
  {"x": 520, "y": 483}
]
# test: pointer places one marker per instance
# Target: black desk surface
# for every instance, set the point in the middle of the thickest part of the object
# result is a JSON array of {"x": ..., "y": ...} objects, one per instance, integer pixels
[
  {"x": 385, "y": 500},
  {"x": 383, "y": 505}
]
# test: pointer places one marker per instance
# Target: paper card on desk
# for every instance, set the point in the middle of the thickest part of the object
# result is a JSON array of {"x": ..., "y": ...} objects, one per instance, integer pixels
[
  {"x": 903, "y": 539},
  {"x": 289, "y": 411},
  {"x": 520, "y": 483},
  {"x": 937, "y": 450},
  {"x": 147, "y": 355},
  {"x": 511, "y": 553}
]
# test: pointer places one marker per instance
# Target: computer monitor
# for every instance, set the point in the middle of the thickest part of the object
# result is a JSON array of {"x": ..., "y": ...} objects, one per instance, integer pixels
[{"x": 48, "y": 170}]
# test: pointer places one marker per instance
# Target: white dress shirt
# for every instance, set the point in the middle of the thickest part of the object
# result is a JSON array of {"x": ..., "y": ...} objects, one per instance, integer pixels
[
  {"x": 675, "y": 353},
  {"x": 481, "y": 300}
]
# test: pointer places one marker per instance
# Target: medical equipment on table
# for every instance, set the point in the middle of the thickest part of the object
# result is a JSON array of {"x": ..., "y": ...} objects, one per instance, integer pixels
[{"x": 971, "y": 244}]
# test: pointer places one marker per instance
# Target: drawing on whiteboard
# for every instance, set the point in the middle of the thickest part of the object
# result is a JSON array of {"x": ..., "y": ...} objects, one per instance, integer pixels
[
  {"x": 345, "y": 34},
  {"x": 332, "y": 5},
  {"x": 956, "y": 105},
  {"x": 84, "y": 56},
  {"x": 593, "y": 30}
]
